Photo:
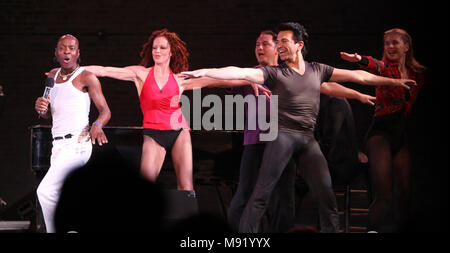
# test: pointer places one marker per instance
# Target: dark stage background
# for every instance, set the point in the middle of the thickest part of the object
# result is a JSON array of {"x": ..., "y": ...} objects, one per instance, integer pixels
[{"x": 217, "y": 33}]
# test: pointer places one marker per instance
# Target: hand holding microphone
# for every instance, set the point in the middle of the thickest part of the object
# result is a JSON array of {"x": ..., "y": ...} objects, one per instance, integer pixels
[{"x": 41, "y": 105}]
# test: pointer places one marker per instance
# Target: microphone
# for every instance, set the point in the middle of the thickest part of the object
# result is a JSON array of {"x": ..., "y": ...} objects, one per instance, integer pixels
[{"x": 49, "y": 82}]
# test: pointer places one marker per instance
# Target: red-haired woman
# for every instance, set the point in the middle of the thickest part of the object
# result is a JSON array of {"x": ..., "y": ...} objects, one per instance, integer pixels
[
  {"x": 165, "y": 129},
  {"x": 388, "y": 152},
  {"x": 164, "y": 126}
]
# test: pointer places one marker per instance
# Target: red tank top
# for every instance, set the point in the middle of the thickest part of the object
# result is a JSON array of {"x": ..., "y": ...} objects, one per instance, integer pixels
[{"x": 161, "y": 107}]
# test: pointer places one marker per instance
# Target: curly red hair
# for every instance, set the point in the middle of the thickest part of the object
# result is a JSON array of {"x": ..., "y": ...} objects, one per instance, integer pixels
[{"x": 179, "y": 58}]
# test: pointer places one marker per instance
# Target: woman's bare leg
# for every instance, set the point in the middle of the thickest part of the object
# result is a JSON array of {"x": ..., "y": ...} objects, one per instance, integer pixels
[
  {"x": 182, "y": 161},
  {"x": 152, "y": 158}
]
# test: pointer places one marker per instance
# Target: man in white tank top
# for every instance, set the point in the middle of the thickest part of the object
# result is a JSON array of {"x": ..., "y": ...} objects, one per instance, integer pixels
[{"x": 69, "y": 100}]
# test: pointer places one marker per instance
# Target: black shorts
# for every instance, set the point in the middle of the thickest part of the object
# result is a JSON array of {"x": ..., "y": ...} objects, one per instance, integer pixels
[
  {"x": 392, "y": 127},
  {"x": 165, "y": 138}
]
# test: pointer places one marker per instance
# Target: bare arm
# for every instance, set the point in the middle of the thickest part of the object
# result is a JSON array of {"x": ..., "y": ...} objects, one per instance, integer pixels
[
  {"x": 350, "y": 57},
  {"x": 228, "y": 73},
  {"x": 125, "y": 73},
  {"x": 95, "y": 92},
  {"x": 364, "y": 77},
  {"x": 195, "y": 83},
  {"x": 190, "y": 84},
  {"x": 336, "y": 90}
]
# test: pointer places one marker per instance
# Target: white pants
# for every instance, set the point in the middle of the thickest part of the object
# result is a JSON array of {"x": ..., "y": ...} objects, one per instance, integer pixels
[{"x": 67, "y": 155}]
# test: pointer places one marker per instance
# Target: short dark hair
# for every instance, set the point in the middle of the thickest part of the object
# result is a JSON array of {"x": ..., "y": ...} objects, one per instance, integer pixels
[
  {"x": 299, "y": 33},
  {"x": 271, "y": 33}
]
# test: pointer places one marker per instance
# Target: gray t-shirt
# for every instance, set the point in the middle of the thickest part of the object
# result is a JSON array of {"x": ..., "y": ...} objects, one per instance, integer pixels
[{"x": 298, "y": 95}]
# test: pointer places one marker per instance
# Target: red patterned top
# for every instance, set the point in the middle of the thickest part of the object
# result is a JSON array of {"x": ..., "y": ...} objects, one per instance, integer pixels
[{"x": 392, "y": 99}]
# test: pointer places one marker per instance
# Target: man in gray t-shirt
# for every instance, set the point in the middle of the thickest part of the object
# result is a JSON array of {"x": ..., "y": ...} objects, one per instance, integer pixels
[
  {"x": 297, "y": 85},
  {"x": 300, "y": 94}
]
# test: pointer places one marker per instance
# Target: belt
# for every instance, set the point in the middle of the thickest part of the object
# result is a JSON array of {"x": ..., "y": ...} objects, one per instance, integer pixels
[{"x": 67, "y": 136}]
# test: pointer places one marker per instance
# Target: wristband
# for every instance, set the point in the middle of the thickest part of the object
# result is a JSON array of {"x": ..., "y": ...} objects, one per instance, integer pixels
[
  {"x": 97, "y": 123},
  {"x": 364, "y": 61}
]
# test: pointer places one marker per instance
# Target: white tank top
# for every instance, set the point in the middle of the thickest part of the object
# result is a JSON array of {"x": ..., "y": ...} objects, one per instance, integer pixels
[{"x": 70, "y": 107}]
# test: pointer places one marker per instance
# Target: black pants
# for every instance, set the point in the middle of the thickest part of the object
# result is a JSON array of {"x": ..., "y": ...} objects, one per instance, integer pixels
[
  {"x": 336, "y": 133},
  {"x": 280, "y": 215},
  {"x": 313, "y": 168}
]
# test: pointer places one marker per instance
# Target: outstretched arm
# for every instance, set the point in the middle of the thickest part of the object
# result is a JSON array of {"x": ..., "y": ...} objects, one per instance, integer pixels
[
  {"x": 195, "y": 83},
  {"x": 104, "y": 114},
  {"x": 367, "y": 63},
  {"x": 336, "y": 90},
  {"x": 228, "y": 73},
  {"x": 364, "y": 77},
  {"x": 125, "y": 74},
  {"x": 350, "y": 57}
]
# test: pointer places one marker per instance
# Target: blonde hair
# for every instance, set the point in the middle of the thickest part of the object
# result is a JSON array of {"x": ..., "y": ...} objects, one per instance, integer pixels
[{"x": 410, "y": 61}]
